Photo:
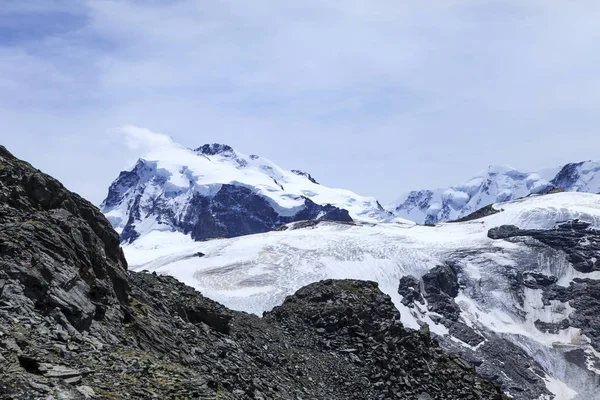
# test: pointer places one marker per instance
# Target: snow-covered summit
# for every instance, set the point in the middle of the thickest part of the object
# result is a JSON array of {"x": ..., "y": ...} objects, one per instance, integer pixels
[
  {"x": 497, "y": 183},
  {"x": 216, "y": 191},
  {"x": 492, "y": 185},
  {"x": 579, "y": 177}
]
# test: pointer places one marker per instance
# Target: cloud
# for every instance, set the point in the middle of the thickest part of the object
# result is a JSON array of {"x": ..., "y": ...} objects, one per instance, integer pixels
[
  {"x": 142, "y": 139},
  {"x": 376, "y": 96}
]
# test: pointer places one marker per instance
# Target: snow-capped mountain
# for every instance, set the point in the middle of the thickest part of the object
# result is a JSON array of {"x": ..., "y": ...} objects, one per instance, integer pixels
[
  {"x": 514, "y": 292},
  {"x": 215, "y": 191},
  {"x": 579, "y": 177},
  {"x": 493, "y": 185}
]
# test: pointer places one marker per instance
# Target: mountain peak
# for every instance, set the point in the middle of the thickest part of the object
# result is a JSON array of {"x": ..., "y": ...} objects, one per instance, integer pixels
[
  {"x": 214, "y": 191},
  {"x": 214, "y": 149},
  {"x": 499, "y": 169},
  {"x": 494, "y": 184}
]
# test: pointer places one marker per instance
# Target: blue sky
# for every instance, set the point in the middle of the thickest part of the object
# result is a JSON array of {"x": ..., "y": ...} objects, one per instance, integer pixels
[{"x": 377, "y": 96}]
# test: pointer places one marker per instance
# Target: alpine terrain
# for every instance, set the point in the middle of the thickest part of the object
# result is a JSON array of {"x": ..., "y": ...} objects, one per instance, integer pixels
[
  {"x": 516, "y": 293},
  {"x": 512, "y": 287},
  {"x": 493, "y": 185},
  {"x": 76, "y": 324},
  {"x": 215, "y": 191}
]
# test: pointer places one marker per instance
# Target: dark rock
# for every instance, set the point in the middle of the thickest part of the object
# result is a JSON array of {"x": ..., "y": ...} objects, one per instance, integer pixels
[
  {"x": 305, "y": 174},
  {"x": 481, "y": 213},
  {"x": 440, "y": 286},
  {"x": 57, "y": 251},
  {"x": 213, "y": 149},
  {"x": 463, "y": 332},
  {"x": 580, "y": 243},
  {"x": 441, "y": 279},
  {"x": 566, "y": 176},
  {"x": 233, "y": 211},
  {"x": 536, "y": 280},
  {"x": 409, "y": 289},
  {"x": 584, "y": 296},
  {"x": 552, "y": 327}
]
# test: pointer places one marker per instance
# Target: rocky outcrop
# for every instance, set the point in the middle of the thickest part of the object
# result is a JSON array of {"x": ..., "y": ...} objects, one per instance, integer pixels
[
  {"x": 481, "y": 213},
  {"x": 360, "y": 327},
  {"x": 58, "y": 254},
  {"x": 74, "y": 324},
  {"x": 493, "y": 356},
  {"x": 575, "y": 238},
  {"x": 584, "y": 296}
]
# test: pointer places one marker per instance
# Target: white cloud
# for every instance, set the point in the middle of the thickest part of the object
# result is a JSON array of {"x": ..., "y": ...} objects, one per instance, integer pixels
[
  {"x": 378, "y": 96},
  {"x": 143, "y": 139}
]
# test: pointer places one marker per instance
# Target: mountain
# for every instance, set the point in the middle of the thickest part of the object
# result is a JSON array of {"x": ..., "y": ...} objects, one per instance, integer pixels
[
  {"x": 493, "y": 185},
  {"x": 215, "y": 191},
  {"x": 515, "y": 292},
  {"x": 579, "y": 177},
  {"x": 76, "y": 324}
]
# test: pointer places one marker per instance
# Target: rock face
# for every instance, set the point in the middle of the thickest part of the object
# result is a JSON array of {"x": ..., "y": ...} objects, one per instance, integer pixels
[
  {"x": 579, "y": 177},
  {"x": 74, "y": 324},
  {"x": 58, "y": 255},
  {"x": 437, "y": 291},
  {"x": 580, "y": 243},
  {"x": 232, "y": 211}
]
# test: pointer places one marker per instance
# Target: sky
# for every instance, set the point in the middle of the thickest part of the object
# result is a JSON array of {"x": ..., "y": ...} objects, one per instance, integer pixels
[{"x": 376, "y": 96}]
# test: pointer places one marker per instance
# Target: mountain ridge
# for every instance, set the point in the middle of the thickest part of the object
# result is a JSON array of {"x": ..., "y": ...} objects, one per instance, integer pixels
[
  {"x": 495, "y": 184},
  {"x": 215, "y": 191}
]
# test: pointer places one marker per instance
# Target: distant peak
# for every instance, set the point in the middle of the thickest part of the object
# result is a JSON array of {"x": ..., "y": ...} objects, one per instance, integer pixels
[
  {"x": 499, "y": 169},
  {"x": 213, "y": 149}
]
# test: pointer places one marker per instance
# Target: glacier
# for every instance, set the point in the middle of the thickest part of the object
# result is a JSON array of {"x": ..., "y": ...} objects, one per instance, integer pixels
[{"x": 504, "y": 284}]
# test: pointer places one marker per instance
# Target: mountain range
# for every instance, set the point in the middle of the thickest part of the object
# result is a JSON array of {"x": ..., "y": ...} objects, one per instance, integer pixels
[
  {"x": 489, "y": 292},
  {"x": 494, "y": 185},
  {"x": 76, "y": 324},
  {"x": 510, "y": 286},
  {"x": 215, "y": 191}
]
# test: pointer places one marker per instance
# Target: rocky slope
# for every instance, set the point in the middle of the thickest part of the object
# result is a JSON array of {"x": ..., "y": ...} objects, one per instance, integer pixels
[
  {"x": 74, "y": 324},
  {"x": 215, "y": 191},
  {"x": 493, "y": 185}
]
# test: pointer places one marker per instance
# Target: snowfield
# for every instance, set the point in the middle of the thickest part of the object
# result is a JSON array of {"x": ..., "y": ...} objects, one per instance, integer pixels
[{"x": 255, "y": 273}]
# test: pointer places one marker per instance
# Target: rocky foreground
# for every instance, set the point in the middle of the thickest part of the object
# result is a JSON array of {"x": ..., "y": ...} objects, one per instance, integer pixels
[{"x": 75, "y": 324}]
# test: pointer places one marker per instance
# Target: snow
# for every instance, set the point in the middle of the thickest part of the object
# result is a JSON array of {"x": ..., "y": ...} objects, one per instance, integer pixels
[
  {"x": 255, "y": 273},
  {"x": 174, "y": 172},
  {"x": 545, "y": 211},
  {"x": 560, "y": 390},
  {"x": 494, "y": 184}
]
